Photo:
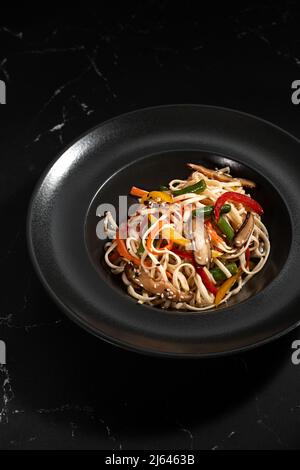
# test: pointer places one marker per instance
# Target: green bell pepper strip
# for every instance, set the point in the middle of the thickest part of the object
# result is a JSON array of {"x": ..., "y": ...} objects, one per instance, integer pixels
[
  {"x": 208, "y": 210},
  {"x": 164, "y": 188},
  {"x": 140, "y": 249},
  {"x": 218, "y": 274},
  {"x": 198, "y": 187},
  {"x": 226, "y": 228}
]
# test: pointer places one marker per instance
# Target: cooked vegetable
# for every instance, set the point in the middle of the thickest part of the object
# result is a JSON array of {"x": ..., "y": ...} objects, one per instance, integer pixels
[
  {"x": 198, "y": 187},
  {"x": 175, "y": 236},
  {"x": 151, "y": 237},
  {"x": 138, "y": 192},
  {"x": 184, "y": 254},
  {"x": 206, "y": 281},
  {"x": 208, "y": 210},
  {"x": 245, "y": 231},
  {"x": 215, "y": 238},
  {"x": 225, "y": 287},
  {"x": 122, "y": 250},
  {"x": 140, "y": 249},
  {"x": 113, "y": 256},
  {"x": 219, "y": 275},
  {"x": 159, "y": 196},
  {"x": 170, "y": 233},
  {"x": 226, "y": 228},
  {"x": 247, "y": 201},
  {"x": 219, "y": 176}
]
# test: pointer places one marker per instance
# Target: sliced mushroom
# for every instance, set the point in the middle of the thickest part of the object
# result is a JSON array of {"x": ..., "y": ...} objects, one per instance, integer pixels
[
  {"x": 219, "y": 176},
  {"x": 244, "y": 231},
  {"x": 163, "y": 288},
  {"x": 202, "y": 252}
]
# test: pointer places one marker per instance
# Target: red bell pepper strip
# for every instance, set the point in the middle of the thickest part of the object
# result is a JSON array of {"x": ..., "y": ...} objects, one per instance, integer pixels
[
  {"x": 113, "y": 256},
  {"x": 199, "y": 269},
  {"x": 206, "y": 281},
  {"x": 184, "y": 254},
  {"x": 239, "y": 198}
]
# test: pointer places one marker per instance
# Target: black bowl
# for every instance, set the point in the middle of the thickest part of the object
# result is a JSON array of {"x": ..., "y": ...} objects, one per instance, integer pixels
[{"x": 148, "y": 148}]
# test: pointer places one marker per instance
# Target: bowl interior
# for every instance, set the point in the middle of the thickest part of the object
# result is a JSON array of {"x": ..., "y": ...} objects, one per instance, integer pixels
[{"x": 154, "y": 170}]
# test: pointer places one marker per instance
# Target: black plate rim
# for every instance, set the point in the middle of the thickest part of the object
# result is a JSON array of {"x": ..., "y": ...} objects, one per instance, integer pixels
[{"x": 79, "y": 321}]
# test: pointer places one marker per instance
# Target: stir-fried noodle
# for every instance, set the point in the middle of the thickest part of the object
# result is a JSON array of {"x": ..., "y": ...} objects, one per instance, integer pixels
[{"x": 192, "y": 244}]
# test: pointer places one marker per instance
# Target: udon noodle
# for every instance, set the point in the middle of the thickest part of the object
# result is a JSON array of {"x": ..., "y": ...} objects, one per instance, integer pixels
[{"x": 190, "y": 245}]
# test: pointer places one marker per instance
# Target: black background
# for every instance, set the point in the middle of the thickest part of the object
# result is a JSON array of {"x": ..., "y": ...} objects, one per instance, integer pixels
[{"x": 65, "y": 72}]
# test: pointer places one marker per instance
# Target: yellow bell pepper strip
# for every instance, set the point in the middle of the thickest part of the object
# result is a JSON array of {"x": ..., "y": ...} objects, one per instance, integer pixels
[
  {"x": 149, "y": 242},
  {"x": 163, "y": 195},
  {"x": 171, "y": 234},
  {"x": 216, "y": 253},
  {"x": 225, "y": 287},
  {"x": 177, "y": 238},
  {"x": 138, "y": 192},
  {"x": 158, "y": 195}
]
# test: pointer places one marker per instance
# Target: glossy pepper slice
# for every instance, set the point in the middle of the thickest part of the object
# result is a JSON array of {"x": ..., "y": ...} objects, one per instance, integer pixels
[
  {"x": 218, "y": 274},
  {"x": 184, "y": 254},
  {"x": 198, "y": 187},
  {"x": 239, "y": 198},
  {"x": 225, "y": 287},
  {"x": 226, "y": 228},
  {"x": 208, "y": 210},
  {"x": 140, "y": 249},
  {"x": 162, "y": 195},
  {"x": 206, "y": 281}
]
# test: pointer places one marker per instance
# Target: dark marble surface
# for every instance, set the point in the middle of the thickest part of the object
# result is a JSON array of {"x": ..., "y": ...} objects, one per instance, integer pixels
[{"x": 62, "y": 388}]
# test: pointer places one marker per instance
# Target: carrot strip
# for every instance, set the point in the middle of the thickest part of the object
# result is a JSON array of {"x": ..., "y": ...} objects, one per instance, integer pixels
[
  {"x": 212, "y": 233},
  {"x": 122, "y": 249},
  {"x": 138, "y": 192}
]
